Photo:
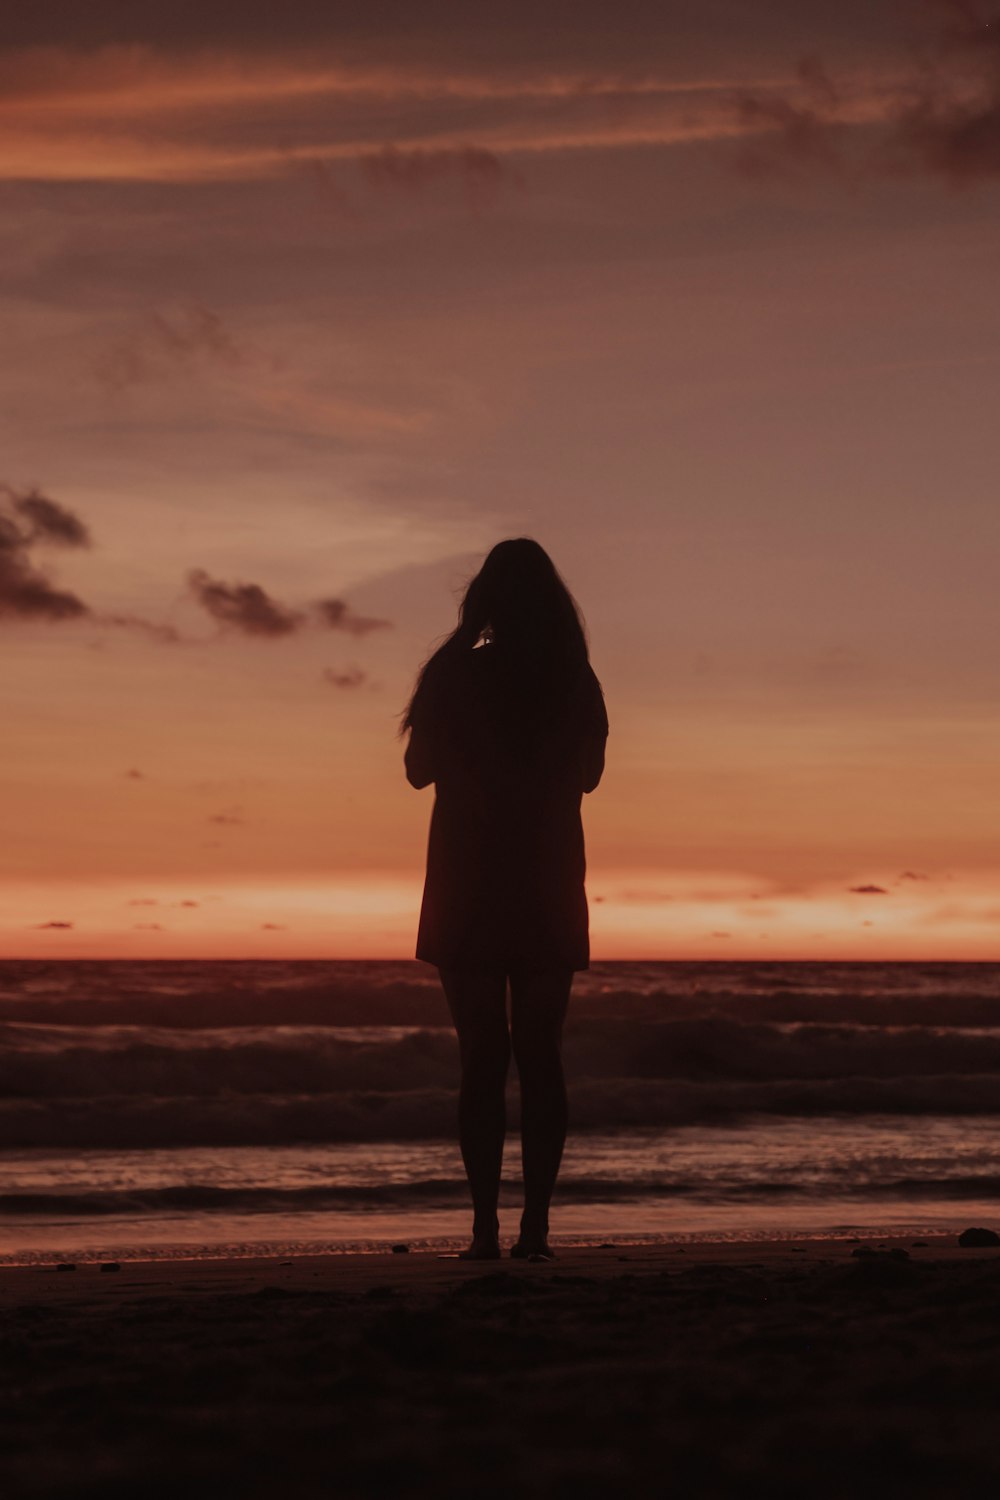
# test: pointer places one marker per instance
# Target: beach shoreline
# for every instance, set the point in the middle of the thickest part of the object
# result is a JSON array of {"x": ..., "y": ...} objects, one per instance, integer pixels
[{"x": 715, "y": 1366}]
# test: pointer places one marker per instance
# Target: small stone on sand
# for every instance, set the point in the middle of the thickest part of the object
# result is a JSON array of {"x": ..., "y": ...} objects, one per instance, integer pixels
[{"x": 975, "y": 1239}]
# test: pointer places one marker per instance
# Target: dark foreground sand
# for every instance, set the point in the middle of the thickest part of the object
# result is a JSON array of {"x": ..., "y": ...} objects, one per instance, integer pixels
[{"x": 773, "y": 1370}]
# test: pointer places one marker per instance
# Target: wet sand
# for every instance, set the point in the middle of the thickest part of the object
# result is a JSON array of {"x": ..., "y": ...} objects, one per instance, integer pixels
[{"x": 793, "y": 1368}]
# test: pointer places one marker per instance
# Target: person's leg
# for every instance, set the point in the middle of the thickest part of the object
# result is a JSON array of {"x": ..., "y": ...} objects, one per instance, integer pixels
[
  {"x": 478, "y": 1005},
  {"x": 538, "y": 1009}
]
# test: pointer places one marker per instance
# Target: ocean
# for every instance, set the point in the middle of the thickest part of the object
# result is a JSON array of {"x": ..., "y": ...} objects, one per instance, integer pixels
[{"x": 193, "y": 1108}]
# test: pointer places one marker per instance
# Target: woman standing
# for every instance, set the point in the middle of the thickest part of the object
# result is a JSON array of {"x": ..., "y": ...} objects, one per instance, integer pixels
[{"x": 508, "y": 721}]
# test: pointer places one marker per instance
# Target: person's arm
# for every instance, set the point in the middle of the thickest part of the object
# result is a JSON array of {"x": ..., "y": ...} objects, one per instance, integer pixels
[
  {"x": 595, "y": 737},
  {"x": 419, "y": 758},
  {"x": 592, "y": 761}
]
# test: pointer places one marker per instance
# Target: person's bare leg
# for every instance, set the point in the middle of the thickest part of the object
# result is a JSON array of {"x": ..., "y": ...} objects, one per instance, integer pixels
[
  {"x": 478, "y": 1005},
  {"x": 538, "y": 1009}
]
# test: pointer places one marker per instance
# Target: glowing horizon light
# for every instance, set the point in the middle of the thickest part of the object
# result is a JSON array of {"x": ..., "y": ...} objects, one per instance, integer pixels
[{"x": 636, "y": 915}]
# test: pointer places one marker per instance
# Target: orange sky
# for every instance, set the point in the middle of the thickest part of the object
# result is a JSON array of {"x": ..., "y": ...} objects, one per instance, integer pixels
[{"x": 706, "y": 302}]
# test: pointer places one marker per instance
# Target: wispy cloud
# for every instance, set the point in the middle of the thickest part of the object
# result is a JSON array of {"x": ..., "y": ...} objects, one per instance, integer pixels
[
  {"x": 166, "y": 343},
  {"x": 939, "y": 113},
  {"x": 351, "y": 677},
  {"x": 123, "y": 114},
  {"x": 167, "y": 635},
  {"x": 480, "y": 171}
]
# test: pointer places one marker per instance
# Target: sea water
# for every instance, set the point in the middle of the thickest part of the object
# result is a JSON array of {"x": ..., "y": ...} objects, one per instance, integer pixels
[{"x": 152, "y": 1108}]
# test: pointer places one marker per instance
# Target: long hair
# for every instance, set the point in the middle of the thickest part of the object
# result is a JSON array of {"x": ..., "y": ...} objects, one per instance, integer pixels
[{"x": 518, "y": 603}]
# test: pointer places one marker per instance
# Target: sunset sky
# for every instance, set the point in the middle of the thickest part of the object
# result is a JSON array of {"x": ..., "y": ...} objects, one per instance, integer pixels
[{"x": 304, "y": 306}]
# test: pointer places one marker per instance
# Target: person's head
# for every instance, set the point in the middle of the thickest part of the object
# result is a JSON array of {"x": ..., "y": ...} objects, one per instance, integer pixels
[{"x": 518, "y": 603}]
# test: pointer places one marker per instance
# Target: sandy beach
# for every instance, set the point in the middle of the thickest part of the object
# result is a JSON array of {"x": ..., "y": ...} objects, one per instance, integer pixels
[{"x": 812, "y": 1367}]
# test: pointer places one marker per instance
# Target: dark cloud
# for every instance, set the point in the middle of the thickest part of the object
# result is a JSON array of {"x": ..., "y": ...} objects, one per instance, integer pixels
[
  {"x": 143, "y": 901},
  {"x": 959, "y": 141},
  {"x": 244, "y": 606},
  {"x": 868, "y": 890},
  {"x": 30, "y": 520},
  {"x": 230, "y": 817},
  {"x": 25, "y": 590},
  {"x": 188, "y": 903},
  {"x": 913, "y": 875},
  {"x": 271, "y": 927},
  {"x": 146, "y": 927},
  {"x": 335, "y": 614},
  {"x": 49, "y": 521},
  {"x": 43, "y": 926},
  {"x": 133, "y": 775},
  {"x": 352, "y": 677},
  {"x": 944, "y": 118}
]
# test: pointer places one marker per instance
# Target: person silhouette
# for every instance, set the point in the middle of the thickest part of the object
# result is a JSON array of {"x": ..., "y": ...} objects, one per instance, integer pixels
[{"x": 507, "y": 719}]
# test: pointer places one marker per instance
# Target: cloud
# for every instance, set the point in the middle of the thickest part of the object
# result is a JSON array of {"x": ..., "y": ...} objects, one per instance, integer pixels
[
  {"x": 146, "y": 927},
  {"x": 643, "y": 897},
  {"x": 139, "y": 113},
  {"x": 244, "y": 606},
  {"x": 26, "y": 592},
  {"x": 335, "y": 614},
  {"x": 353, "y": 677},
  {"x": 30, "y": 519},
  {"x": 868, "y": 890},
  {"x": 143, "y": 901},
  {"x": 167, "y": 634},
  {"x": 43, "y": 926},
  {"x": 249, "y": 608},
  {"x": 170, "y": 342},
  {"x": 805, "y": 133},
  {"x": 479, "y": 170},
  {"x": 939, "y": 115},
  {"x": 49, "y": 521},
  {"x": 230, "y": 817}
]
